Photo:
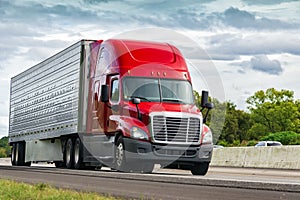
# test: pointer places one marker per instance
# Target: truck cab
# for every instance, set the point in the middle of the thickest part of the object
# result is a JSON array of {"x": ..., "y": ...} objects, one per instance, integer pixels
[{"x": 144, "y": 101}]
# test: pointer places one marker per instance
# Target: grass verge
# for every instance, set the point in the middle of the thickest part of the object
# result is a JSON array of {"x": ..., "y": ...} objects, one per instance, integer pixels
[{"x": 12, "y": 190}]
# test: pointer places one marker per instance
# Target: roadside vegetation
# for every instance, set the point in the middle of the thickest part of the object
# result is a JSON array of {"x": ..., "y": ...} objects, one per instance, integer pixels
[
  {"x": 272, "y": 115},
  {"x": 11, "y": 190},
  {"x": 4, "y": 147}
]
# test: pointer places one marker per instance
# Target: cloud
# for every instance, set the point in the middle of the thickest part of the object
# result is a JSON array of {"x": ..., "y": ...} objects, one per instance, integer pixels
[
  {"x": 3, "y": 104},
  {"x": 198, "y": 19},
  {"x": 261, "y": 63},
  {"x": 41, "y": 12},
  {"x": 267, "y": 2},
  {"x": 95, "y": 2},
  {"x": 191, "y": 19},
  {"x": 3, "y": 126},
  {"x": 59, "y": 16},
  {"x": 243, "y": 19},
  {"x": 228, "y": 46}
]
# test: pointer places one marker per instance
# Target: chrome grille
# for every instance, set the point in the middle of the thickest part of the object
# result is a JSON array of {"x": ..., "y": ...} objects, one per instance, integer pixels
[{"x": 177, "y": 130}]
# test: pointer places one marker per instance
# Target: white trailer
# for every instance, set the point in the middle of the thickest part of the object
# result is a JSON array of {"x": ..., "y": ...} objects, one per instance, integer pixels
[{"x": 48, "y": 101}]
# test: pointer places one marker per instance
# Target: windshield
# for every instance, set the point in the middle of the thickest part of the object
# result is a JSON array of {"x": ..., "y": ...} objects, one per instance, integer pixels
[{"x": 159, "y": 90}]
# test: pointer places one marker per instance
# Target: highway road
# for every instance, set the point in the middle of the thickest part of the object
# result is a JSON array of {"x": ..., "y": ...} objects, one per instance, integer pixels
[{"x": 219, "y": 183}]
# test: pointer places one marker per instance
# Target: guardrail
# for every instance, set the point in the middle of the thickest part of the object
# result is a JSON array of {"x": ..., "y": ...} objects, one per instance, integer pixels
[{"x": 283, "y": 157}]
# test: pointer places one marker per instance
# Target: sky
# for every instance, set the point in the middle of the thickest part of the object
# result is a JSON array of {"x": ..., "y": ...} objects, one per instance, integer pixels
[{"x": 234, "y": 48}]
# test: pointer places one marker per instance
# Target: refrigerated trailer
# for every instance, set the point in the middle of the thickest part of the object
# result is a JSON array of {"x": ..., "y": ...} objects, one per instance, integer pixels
[{"x": 120, "y": 103}]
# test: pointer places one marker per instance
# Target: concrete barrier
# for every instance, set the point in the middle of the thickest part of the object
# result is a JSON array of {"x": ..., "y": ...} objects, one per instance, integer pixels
[{"x": 283, "y": 157}]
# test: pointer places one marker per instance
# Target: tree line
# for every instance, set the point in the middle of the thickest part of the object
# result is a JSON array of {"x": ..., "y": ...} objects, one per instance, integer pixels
[
  {"x": 4, "y": 147},
  {"x": 272, "y": 115}
]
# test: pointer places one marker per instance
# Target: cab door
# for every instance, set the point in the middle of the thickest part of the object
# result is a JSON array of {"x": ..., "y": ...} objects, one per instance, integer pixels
[{"x": 113, "y": 103}]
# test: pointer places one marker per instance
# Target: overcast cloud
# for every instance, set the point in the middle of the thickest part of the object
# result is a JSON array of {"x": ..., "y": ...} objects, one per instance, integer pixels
[
  {"x": 261, "y": 63},
  {"x": 252, "y": 44}
]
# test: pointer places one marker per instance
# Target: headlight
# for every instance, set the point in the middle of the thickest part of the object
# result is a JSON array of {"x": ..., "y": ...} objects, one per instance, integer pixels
[
  {"x": 207, "y": 138},
  {"x": 138, "y": 133}
]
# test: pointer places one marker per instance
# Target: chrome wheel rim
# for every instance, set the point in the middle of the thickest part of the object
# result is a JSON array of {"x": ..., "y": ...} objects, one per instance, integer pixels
[
  {"x": 119, "y": 154},
  {"x": 68, "y": 153},
  {"x": 13, "y": 149},
  {"x": 76, "y": 153},
  {"x": 17, "y": 153}
]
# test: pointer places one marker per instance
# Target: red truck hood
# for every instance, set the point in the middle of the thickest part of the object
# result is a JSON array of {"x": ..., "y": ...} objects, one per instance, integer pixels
[{"x": 148, "y": 107}]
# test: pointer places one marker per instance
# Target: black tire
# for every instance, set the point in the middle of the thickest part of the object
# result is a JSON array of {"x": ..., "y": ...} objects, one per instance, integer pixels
[
  {"x": 200, "y": 168},
  {"x": 120, "y": 157},
  {"x": 77, "y": 154},
  {"x": 68, "y": 155},
  {"x": 19, "y": 154},
  {"x": 13, "y": 154},
  {"x": 22, "y": 152},
  {"x": 17, "y": 151}
]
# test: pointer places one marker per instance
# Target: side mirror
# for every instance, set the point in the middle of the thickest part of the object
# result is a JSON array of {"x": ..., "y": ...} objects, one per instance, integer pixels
[
  {"x": 136, "y": 101},
  {"x": 209, "y": 105},
  {"x": 104, "y": 93},
  {"x": 206, "y": 104},
  {"x": 204, "y": 98}
]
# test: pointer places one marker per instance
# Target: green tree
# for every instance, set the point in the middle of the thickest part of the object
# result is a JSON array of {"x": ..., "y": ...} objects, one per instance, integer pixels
[
  {"x": 2, "y": 153},
  {"x": 237, "y": 124},
  {"x": 4, "y": 142},
  {"x": 270, "y": 111},
  {"x": 230, "y": 129},
  {"x": 273, "y": 111},
  {"x": 286, "y": 138},
  {"x": 245, "y": 123},
  {"x": 4, "y": 147}
]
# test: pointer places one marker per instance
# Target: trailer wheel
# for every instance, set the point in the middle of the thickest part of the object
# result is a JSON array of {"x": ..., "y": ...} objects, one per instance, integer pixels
[
  {"x": 200, "y": 168},
  {"x": 120, "y": 158},
  {"x": 19, "y": 154},
  {"x": 17, "y": 159},
  {"x": 78, "y": 164},
  {"x": 13, "y": 154},
  {"x": 69, "y": 154}
]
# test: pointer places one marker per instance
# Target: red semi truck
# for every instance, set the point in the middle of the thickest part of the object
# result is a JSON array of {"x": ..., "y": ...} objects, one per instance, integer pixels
[{"x": 120, "y": 103}]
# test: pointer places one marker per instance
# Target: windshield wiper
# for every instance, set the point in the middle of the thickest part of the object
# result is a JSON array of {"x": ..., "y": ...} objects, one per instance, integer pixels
[
  {"x": 143, "y": 98},
  {"x": 173, "y": 100}
]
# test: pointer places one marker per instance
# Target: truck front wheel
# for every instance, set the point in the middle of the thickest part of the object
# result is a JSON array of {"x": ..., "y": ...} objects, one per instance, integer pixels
[
  {"x": 120, "y": 158},
  {"x": 200, "y": 168}
]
